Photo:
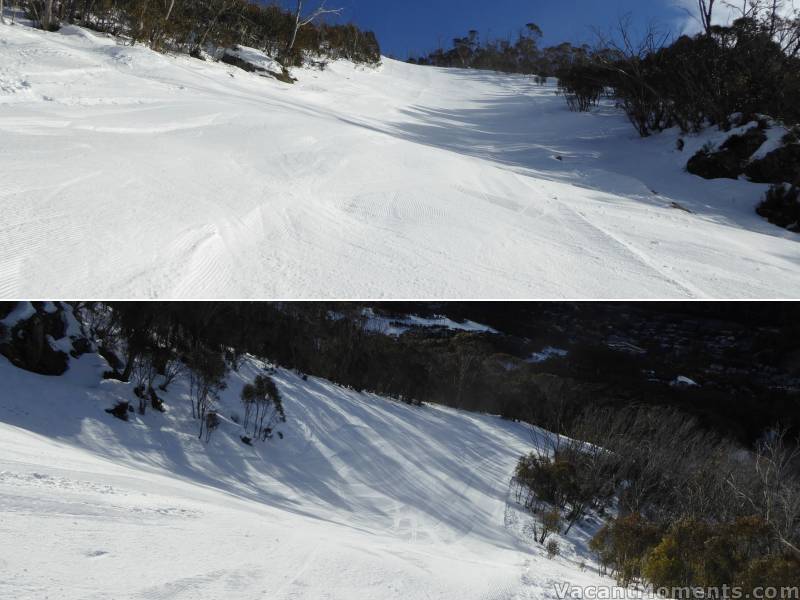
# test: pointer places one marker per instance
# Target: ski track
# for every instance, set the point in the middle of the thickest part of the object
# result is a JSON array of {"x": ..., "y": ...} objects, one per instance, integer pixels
[{"x": 127, "y": 173}]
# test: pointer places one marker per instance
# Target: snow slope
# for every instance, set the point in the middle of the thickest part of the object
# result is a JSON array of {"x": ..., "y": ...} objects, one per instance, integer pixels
[
  {"x": 127, "y": 173},
  {"x": 363, "y": 498}
]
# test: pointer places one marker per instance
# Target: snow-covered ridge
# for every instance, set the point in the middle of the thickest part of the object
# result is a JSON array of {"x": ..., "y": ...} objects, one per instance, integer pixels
[
  {"x": 170, "y": 176},
  {"x": 362, "y": 497}
]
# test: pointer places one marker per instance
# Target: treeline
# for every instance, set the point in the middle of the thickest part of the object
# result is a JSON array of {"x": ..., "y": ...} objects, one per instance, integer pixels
[
  {"x": 709, "y": 79},
  {"x": 151, "y": 344},
  {"x": 195, "y": 26},
  {"x": 693, "y": 510},
  {"x": 522, "y": 55},
  {"x": 751, "y": 67},
  {"x": 465, "y": 370}
]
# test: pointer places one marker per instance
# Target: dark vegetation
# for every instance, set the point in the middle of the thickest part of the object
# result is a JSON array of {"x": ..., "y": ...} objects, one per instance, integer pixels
[
  {"x": 146, "y": 343},
  {"x": 263, "y": 407},
  {"x": 194, "y": 27},
  {"x": 781, "y": 206},
  {"x": 693, "y": 509}
]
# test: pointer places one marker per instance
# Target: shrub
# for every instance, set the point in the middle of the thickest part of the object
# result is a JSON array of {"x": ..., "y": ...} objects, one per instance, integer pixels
[
  {"x": 120, "y": 410},
  {"x": 779, "y": 166},
  {"x": 212, "y": 422},
  {"x": 781, "y": 206},
  {"x": 550, "y": 522},
  {"x": 262, "y": 403},
  {"x": 551, "y": 480},
  {"x": 552, "y": 549},
  {"x": 622, "y": 545},
  {"x": 156, "y": 402},
  {"x": 677, "y": 559},
  {"x": 699, "y": 554},
  {"x": 775, "y": 571},
  {"x": 582, "y": 85}
]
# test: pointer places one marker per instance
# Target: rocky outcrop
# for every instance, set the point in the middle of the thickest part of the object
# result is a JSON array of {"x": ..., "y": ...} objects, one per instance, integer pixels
[
  {"x": 35, "y": 337},
  {"x": 731, "y": 159},
  {"x": 230, "y": 57}
]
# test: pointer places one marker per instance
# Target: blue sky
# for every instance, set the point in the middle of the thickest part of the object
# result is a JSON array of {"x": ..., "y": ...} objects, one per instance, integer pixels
[{"x": 418, "y": 25}]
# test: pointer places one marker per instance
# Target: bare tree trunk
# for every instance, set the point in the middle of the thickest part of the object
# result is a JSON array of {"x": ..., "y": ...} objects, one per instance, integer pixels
[
  {"x": 299, "y": 21},
  {"x": 47, "y": 19},
  {"x": 706, "y": 14},
  {"x": 2, "y": 16},
  {"x": 297, "y": 16}
]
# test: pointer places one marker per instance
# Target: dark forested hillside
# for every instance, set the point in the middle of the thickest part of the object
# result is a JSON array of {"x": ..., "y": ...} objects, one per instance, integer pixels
[
  {"x": 195, "y": 27},
  {"x": 735, "y": 367}
]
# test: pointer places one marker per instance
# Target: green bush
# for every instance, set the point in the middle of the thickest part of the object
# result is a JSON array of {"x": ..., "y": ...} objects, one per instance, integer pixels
[
  {"x": 622, "y": 545},
  {"x": 694, "y": 553}
]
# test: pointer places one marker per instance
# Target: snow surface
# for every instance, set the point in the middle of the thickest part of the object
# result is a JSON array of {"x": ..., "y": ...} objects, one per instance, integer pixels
[
  {"x": 396, "y": 326},
  {"x": 363, "y": 498},
  {"x": 547, "y": 353},
  {"x": 683, "y": 381},
  {"x": 128, "y": 173},
  {"x": 256, "y": 58}
]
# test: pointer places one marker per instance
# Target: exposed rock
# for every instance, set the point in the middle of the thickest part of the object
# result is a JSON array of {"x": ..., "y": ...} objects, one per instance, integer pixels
[
  {"x": 111, "y": 358},
  {"x": 230, "y": 59},
  {"x": 80, "y": 346},
  {"x": 236, "y": 61},
  {"x": 38, "y": 336},
  {"x": 779, "y": 166},
  {"x": 28, "y": 343},
  {"x": 731, "y": 159}
]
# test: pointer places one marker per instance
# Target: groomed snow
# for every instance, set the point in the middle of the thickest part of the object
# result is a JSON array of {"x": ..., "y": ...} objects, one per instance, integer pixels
[
  {"x": 127, "y": 173},
  {"x": 363, "y": 498}
]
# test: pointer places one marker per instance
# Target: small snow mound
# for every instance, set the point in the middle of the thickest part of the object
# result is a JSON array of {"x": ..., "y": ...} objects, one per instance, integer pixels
[
  {"x": 256, "y": 58},
  {"x": 547, "y": 353},
  {"x": 683, "y": 381},
  {"x": 74, "y": 30}
]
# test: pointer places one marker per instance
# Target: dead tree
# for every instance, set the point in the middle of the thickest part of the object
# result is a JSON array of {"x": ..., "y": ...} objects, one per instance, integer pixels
[
  {"x": 706, "y": 8},
  {"x": 300, "y": 22}
]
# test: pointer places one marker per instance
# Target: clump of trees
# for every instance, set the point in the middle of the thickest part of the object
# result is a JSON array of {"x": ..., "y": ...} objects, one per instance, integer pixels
[
  {"x": 694, "y": 510},
  {"x": 520, "y": 55},
  {"x": 263, "y": 407},
  {"x": 465, "y": 370},
  {"x": 582, "y": 84},
  {"x": 207, "y": 371},
  {"x": 781, "y": 206},
  {"x": 750, "y": 67},
  {"x": 193, "y": 26}
]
